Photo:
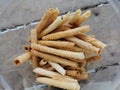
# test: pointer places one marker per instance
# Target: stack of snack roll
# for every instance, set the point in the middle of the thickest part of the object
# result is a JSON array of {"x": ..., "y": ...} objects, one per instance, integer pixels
[{"x": 59, "y": 49}]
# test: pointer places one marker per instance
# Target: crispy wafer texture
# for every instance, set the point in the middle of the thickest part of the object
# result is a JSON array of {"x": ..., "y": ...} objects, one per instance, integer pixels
[
  {"x": 47, "y": 73},
  {"x": 78, "y": 60},
  {"x": 57, "y": 44},
  {"x": 49, "y": 16},
  {"x": 64, "y": 45},
  {"x": 75, "y": 49},
  {"x": 35, "y": 61},
  {"x": 75, "y": 17},
  {"x": 33, "y": 36},
  {"x": 57, "y": 23},
  {"x": 58, "y": 67},
  {"x": 59, "y": 83},
  {"x": 56, "y": 59},
  {"x": 52, "y": 74},
  {"x": 84, "y": 45},
  {"x": 22, "y": 58},
  {"x": 83, "y": 17},
  {"x": 62, "y": 53},
  {"x": 66, "y": 33},
  {"x": 91, "y": 40}
]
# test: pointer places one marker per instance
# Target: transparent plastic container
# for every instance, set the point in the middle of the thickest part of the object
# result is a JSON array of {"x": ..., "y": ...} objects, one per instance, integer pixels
[{"x": 103, "y": 74}]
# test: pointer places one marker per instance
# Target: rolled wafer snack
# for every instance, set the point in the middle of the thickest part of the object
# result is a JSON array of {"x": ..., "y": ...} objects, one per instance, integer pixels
[
  {"x": 49, "y": 16},
  {"x": 47, "y": 73},
  {"x": 56, "y": 59},
  {"x": 33, "y": 36},
  {"x": 66, "y": 33},
  {"x": 70, "y": 54},
  {"x": 27, "y": 48},
  {"x": 84, "y": 45},
  {"x": 42, "y": 62},
  {"x": 57, "y": 44},
  {"x": 78, "y": 60},
  {"x": 58, "y": 22},
  {"x": 99, "y": 44},
  {"x": 52, "y": 74},
  {"x": 75, "y": 17},
  {"x": 91, "y": 40},
  {"x": 59, "y": 83},
  {"x": 71, "y": 48},
  {"x": 34, "y": 61},
  {"x": 22, "y": 58},
  {"x": 75, "y": 49},
  {"x": 85, "y": 37},
  {"x": 58, "y": 67},
  {"x": 83, "y": 17},
  {"x": 62, "y": 53},
  {"x": 94, "y": 58}
]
